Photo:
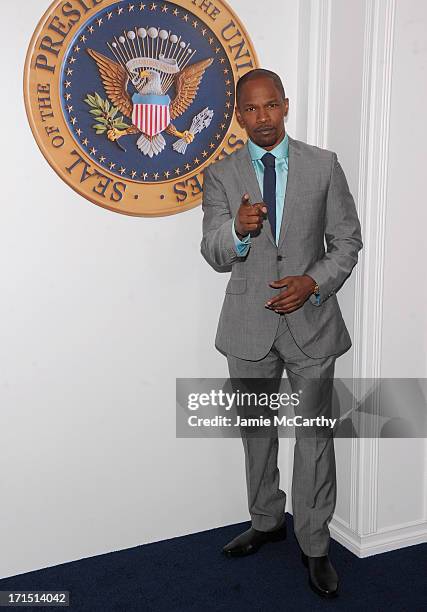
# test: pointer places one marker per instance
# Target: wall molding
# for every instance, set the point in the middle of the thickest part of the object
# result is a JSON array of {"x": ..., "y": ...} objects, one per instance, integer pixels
[
  {"x": 372, "y": 185},
  {"x": 383, "y": 541},
  {"x": 318, "y": 68},
  {"x": 369, "y": 285}
]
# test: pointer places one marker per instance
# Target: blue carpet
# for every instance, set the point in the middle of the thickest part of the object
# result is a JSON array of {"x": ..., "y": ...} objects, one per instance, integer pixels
[{"x": 189, "y": 574}]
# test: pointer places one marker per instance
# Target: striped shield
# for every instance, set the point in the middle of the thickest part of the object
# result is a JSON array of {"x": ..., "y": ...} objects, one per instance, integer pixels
[{"x": 151, "y": 119}]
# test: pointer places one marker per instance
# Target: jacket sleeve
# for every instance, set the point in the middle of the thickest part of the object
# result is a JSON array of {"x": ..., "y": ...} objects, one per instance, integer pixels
[
  {"x": 218, "y": 245},
  {"x": 342, "y": 235}
]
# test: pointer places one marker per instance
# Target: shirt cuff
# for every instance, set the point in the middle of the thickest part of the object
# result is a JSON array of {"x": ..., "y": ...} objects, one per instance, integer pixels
[
  {"x": 242, "y": 246},
  {"x": 315, "y": 298}
]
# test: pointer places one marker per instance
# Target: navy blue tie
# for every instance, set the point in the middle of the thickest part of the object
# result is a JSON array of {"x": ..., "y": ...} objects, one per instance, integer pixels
[{"x": 269, "y": 189}]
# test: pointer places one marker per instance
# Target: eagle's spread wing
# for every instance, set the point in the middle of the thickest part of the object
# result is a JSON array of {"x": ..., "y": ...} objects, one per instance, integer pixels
[
  {"x": 187, "y": 84},
  {"x": 115, "y": 80}
]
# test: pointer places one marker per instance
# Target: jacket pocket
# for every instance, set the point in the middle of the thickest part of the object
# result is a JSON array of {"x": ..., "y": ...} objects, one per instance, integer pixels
[{"x": 236, "y": 285}]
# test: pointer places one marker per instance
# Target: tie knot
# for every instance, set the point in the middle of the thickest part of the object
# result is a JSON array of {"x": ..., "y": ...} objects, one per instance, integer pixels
[{"x": 268, "y": 160}]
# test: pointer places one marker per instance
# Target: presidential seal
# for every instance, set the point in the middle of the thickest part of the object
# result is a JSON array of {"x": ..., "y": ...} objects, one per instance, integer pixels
[{"x": 130, "y": 101}]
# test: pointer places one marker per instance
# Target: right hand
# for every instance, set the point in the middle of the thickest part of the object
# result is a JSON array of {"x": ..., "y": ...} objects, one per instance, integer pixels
[{"x": 249, "y": 217}]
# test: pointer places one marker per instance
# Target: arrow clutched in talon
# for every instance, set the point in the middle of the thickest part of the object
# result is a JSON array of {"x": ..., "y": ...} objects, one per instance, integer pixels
[{"x": 199, "y": 123}]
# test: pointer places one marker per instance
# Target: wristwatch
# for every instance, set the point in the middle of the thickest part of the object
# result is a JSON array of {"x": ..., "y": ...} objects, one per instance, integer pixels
[{"x": 316, "y": 292}]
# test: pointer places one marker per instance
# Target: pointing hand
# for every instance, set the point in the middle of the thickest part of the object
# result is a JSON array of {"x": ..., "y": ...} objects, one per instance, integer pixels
[{"x": 249, "y": 216}]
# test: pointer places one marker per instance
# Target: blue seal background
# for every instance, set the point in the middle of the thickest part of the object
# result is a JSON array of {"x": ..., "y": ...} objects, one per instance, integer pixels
[{"x": 86, "y": 79}]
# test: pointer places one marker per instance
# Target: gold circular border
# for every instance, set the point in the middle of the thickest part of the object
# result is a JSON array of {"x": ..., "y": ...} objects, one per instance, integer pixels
[{"x": 43, "y": 142}]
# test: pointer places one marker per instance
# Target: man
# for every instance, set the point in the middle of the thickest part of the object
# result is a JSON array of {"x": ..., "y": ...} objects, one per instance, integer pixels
[{"x": 268, "y": 210}]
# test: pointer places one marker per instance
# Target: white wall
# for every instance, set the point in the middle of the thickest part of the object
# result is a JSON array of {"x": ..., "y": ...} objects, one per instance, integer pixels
[
  {"x": 403, "y": 347},
  {"x": 405, "y": 243},
  {"x": 99, "y": 314}
]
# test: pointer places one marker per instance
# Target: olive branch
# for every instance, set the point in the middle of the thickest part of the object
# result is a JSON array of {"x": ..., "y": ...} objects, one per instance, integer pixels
[{"x": 105, "y": 114}]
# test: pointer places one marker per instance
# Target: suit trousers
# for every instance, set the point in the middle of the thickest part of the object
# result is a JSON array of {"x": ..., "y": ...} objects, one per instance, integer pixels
[{"x": 314, "y": 475}]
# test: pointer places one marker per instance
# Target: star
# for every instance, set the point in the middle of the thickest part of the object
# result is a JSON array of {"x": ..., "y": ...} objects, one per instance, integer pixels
[
  {"x": 85, "y": 142},
  {"x": 68, "y": 96},
  {"x": 195, "y": 24},
  {"x": 212, "y": 146},
  {"x": 177, "y": 171},
  {"x": 69, "y": 72},
  {"x": 78, "y": 132},
  {"x": 156, "y": 176},
  {"x": 74, "y": 121},
  {"x": 93, "y": 151},
  {"x": 222, "y": 60},
  {"x": 226, "y": 71},
  {"x": 131, "y": 7},
  {"x": 83, "y": 38},
  {"x": 100, "y": 21},
  {"x": 72, "y": 60},
  {"x": 91, "y": 29},
  {"x": 222, "y": 126},
  {"x": 211, "y": 41},
  {"x": 102, "y": 159},
  {"x": 197, "y": 160},
  {"x": 120, "y": 10},
  {"x": 217, "y": 136},
  {"x": 229, "y": 93},
  {"x": 167, "y": 174},
  {"x": 228, "y": 105},
  {"x": 110, "y": 15},
  {"x": 228, "y": 82},
  {"x": 226, "y": 115},
  {"x": 205, "y": 153},
  {"x": 153, "y": 7},
  {"x": 122, "y": 170},
  {"x": 77, "y": 48},
  {"x": 112, "y": 166},
  {"x": 164, "y": 9},
  {"x": 142, "y": 7},
  {"x": 185, "y": 18},
  {"x": 187, "y": 166},
  {"x": 144, "y": 175},
  {"x": 204, "y": 31},
  {"x": 69, "y": 109},
  {"x": 176, "y": 12},
  {"x": 133, "y": 173},
  {"x": 67, "y": 84},
  {"x": 217, "y": 49}
]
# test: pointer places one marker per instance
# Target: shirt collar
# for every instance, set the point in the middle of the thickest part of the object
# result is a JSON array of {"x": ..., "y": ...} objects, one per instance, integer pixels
[{"x": 280, "y": 151}]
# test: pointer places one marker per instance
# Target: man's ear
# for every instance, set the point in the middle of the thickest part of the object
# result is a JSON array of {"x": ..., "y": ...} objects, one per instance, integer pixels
[{"x": 239, "y": 118}]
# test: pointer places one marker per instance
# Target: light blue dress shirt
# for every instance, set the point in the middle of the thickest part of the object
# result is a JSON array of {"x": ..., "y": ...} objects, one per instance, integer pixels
[{"x": 280, "y": 152}]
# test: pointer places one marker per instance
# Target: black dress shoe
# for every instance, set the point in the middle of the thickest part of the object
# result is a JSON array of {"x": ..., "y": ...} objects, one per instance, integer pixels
[
  {"x": 322, "y": 576},
  {"x": 251, "y": 540}
]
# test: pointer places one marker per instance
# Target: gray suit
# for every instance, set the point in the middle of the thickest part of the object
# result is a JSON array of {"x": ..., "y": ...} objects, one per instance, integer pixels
[
  {"x": 318, "y": 204},
  {"x": 260, "y": 343}
]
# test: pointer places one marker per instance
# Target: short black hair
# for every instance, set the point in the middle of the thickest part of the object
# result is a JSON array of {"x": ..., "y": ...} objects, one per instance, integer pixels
[{"x": 255, "y": 74}]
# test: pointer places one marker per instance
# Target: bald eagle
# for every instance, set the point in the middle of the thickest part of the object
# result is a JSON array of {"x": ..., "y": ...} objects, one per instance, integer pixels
[{"x": 116, "y": 80}]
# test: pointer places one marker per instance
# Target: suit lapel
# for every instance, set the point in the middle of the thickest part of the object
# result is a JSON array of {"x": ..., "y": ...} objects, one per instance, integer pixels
[
  {"x": 292, "y": 187},
  {"x": 250, "y": 182}
]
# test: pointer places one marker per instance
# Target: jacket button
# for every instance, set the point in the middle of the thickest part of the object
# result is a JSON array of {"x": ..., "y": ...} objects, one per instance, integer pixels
[{"x": 279, "y": 258}]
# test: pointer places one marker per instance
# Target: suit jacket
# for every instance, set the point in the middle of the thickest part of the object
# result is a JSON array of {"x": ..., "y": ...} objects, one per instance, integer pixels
[{"x": 319, "y": 209}]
